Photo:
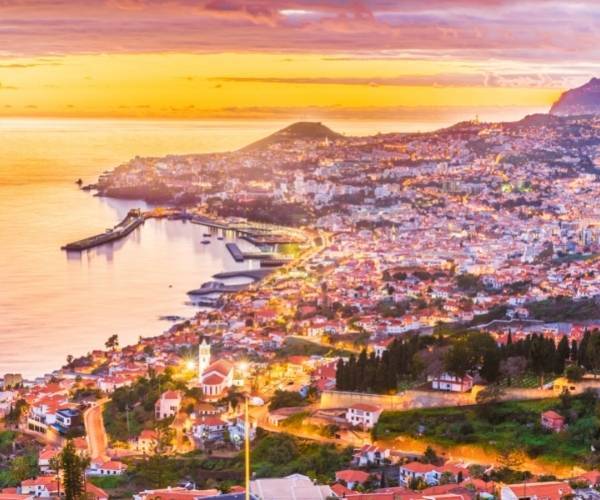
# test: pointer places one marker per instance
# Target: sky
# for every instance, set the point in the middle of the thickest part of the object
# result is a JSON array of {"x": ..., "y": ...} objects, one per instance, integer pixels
[{"x": 369, "y": 59}]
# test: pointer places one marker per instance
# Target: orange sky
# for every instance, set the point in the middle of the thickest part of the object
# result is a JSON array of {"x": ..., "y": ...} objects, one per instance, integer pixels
[{"x": 249, "y": 59}]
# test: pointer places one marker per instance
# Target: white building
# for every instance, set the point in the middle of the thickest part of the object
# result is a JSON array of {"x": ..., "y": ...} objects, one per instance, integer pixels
[
  {"x": 109, "y": 468},
  {"x": 451, "y": 383},
  {"x": 363, "y": 415},
  {"x": 168, "y": 405}
]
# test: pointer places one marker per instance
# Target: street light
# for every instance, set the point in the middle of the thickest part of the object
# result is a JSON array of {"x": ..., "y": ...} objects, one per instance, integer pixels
[
  {"x": 247, "y": 447},
  {"x": 243, "y": 368}
]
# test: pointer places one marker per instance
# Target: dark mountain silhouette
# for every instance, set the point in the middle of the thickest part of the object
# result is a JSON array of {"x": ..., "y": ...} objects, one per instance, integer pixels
[
  {"x": 306, "y": 131},
  {"x": 584, "y": 100}
]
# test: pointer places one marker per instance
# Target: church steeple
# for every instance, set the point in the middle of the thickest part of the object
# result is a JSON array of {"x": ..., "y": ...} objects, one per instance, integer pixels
[{"x": 203, "y": 358}]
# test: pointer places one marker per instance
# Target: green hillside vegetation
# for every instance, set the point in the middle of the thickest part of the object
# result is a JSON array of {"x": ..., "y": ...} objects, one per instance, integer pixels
[
  {"x": 278, "y": 455},
  {"x": 131, "y": 409},
  {"x": 494, "y": 426}
]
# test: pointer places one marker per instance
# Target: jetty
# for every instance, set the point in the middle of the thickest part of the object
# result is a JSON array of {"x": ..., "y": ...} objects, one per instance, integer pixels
[
  {"x": 132, "y": 220},
  {"x": 235, "y": 252}
]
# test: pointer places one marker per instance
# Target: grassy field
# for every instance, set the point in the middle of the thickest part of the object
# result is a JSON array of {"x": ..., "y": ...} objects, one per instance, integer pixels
[
  {"x": 500, "y": 426},
  {"x": 526, "y": 381}
]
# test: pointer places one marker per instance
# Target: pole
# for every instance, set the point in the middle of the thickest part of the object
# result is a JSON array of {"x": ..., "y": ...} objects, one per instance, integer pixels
[{"x": 247, "y": 446}]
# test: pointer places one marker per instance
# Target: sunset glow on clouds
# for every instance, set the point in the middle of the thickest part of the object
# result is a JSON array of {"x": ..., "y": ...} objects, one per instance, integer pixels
[{"x": 261, "y": 58}]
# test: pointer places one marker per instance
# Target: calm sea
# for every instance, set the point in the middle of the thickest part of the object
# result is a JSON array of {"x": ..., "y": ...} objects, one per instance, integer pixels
[{"x": 53, "y": 304}]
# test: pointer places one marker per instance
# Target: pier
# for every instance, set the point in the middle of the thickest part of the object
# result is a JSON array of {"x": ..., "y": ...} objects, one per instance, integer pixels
[
  {"x": 256, "y": 233},
  {"x": 132, "y": 220},
  {"x": 235, "y": 252}
]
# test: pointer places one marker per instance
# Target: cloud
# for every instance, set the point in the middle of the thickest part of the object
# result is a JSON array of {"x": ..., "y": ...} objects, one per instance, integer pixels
[
  {"x": 416, "y": 114},
  {"x": 27, "y": 65},
  {"x": 523, "y": 30},
  {"x": 435, "y": 80}
]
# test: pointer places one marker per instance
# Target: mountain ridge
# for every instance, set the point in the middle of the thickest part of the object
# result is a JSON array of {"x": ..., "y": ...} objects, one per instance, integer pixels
[{"x": 583, "y": 100}]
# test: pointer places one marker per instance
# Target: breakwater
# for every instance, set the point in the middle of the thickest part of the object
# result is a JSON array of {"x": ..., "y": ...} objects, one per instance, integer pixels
[{"x": 132, "y": 220}]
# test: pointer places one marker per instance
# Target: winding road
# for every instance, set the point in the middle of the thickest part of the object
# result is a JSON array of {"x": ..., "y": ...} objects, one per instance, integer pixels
[{"x": 94, "y": 428}]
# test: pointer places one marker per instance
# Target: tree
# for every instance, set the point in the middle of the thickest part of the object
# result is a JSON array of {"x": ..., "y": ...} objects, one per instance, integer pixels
[
  {"x": 574, "y": 350},
  {"x": 16, "y": 412},
  {"x": 542, "y": 353},
  {"x": 70, "y": 360},
  {"x": 283, "y": 399},
  {"x": 430, "y": 456},
  {"x": 73, "y": 468},
  {"x": 341, "y": 376},
  {"x": 112, "y": 343},
  {"x": 164, "y": 436},
  {"x": 457, "y": 360},
  {"x": 563, "y": 352},
  {"x": 490, "y": 370},
  {"x": 23, "y": 467},
  {"x": 592, "y": 352},
  {"x": 574, "y": 373},
  {"x": 468, "y": 352},
  {"x": 512, "y": 367}
]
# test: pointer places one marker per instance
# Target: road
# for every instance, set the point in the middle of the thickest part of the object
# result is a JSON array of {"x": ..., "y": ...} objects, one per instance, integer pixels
[
  {"x": 260, "y": 416},
  {"x": 94, "y": 428}
]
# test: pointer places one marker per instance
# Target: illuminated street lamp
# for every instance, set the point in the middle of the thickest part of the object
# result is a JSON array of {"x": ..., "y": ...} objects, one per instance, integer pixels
[{"x": 243, "y": 368}]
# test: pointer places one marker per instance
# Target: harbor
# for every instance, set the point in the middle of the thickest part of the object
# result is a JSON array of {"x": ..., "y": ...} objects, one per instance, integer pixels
[{"x": 258, "y": 234}]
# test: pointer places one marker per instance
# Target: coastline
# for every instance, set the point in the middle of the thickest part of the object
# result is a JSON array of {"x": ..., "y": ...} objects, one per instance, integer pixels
[{"x": 260, "y": 277}]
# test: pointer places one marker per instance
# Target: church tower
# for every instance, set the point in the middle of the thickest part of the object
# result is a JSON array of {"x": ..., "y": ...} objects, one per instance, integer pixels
[{"x": 203, "y": 358}]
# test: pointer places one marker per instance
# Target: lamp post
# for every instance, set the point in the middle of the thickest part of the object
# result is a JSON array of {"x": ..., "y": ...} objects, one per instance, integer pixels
[
  {"x": 247, "y": 446},
  {"x": 243, "y": 367}
]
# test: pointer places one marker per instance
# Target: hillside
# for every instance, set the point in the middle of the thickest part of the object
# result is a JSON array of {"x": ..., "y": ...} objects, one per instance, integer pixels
[
  {"x": 584, "y": 100},
  {"x": 306, "y": 131}
]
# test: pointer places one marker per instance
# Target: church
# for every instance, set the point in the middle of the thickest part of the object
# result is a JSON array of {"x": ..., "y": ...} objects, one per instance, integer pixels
[{"x": 214, "y": 378}]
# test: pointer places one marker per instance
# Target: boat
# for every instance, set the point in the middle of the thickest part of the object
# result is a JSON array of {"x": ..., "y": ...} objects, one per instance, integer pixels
[
  {"x": 207, "y": 235},
  {"x": 220, "y": 237},
  {"x": 205, "y": 242}
]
